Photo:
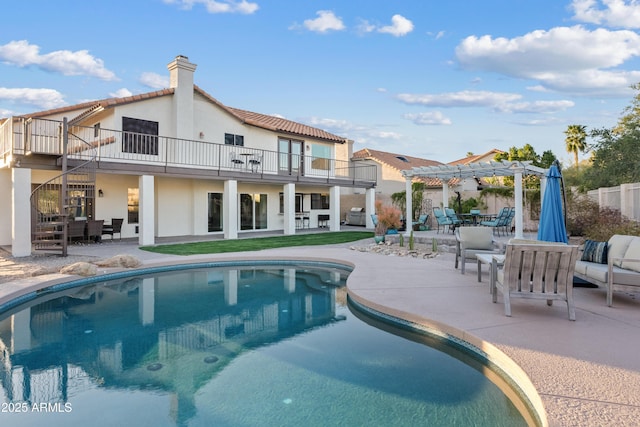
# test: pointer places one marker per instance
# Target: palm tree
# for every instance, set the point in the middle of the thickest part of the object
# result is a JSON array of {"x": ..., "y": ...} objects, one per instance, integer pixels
[{"x": 576, "y": 140}]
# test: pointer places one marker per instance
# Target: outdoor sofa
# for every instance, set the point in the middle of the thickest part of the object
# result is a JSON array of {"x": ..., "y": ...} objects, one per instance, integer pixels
[{"x": 614, "y": 265}]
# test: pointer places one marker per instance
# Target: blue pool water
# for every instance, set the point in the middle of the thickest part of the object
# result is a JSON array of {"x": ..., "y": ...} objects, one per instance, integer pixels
[{"x": 267, "y": 345}]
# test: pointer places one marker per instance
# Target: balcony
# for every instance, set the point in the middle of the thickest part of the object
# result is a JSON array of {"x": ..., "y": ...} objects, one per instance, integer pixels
[{"x": 128, "y": 151}]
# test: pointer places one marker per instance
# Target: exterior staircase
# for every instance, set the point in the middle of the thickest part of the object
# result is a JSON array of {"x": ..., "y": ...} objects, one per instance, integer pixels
[{"x": 63, "y": 198}]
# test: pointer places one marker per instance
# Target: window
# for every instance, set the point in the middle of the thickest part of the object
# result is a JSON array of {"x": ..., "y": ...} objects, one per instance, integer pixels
[
  {"x": 215, "y": 212},
  {"x": 133, "y": 205},
  {"x": 231, "y": 139},
  {"x": 321, "y": 156},
  {"x": 297, "y": 202},
  {"x": 96, "y": 130},
  {"x": 319, "y": 201},
  {"x": 139, "y": 136}
]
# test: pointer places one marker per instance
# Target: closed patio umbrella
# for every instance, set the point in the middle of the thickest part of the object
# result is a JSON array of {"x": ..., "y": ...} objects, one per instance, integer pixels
[{"x": 552, "y": 227}]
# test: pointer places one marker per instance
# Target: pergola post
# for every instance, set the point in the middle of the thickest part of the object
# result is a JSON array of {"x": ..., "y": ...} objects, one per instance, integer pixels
[
  {"x": 517, "y": 192},
  {"x": 408, "y": 207}
]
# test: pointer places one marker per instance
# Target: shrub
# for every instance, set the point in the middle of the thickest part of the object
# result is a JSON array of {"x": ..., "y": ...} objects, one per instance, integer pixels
[
  {"x": 388, "y": 217},
  {"x": 582, "y": 213},
  {"x": 585, "y": 218}
]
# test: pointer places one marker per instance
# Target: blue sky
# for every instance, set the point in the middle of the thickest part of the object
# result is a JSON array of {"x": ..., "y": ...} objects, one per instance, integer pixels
[{"x": 428, "y": 78}]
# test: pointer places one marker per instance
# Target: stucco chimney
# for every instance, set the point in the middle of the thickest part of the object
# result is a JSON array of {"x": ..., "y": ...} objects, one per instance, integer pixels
[{"x": 181, "y": 80}]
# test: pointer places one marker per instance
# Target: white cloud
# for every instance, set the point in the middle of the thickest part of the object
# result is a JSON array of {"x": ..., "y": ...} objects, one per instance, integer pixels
[
  {"x": 400, "y": 26},
  {"x": 79, "y": 63},
  {"x": 372, "y": 135},
  {"x": 365, "y": 26},
  {"x": 570, "y": 59},
  {"x": 616, "y": 13},
  {"x": 326, "y": 21},
  {"x": 41, "y": 98},
  {"x": 464, "y": 98},
  {"x": 535, "y": 107},
  {"x": 227, "y": 6},
  {"x": 121, "y": 93},
  {"x": 428, "y": 118},
  {"x": 154, "y": 80}
]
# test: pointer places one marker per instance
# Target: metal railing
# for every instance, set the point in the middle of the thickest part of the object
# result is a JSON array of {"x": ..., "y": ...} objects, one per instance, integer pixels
[{"x": 44, "y": 136}]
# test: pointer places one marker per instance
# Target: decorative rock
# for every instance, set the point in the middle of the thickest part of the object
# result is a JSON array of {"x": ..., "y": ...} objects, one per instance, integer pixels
[
  {"x": 80, "y": 269},
  {"x": 392, "y": 249},
  {"x": 126, "y": 261}
]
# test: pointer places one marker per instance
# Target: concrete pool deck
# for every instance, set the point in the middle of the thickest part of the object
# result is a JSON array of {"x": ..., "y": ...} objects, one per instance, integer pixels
[{"x": 587, "y": 372}]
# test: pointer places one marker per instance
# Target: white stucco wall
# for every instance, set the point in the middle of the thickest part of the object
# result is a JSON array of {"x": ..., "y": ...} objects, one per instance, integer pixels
[{"x": 5, "y": 208}]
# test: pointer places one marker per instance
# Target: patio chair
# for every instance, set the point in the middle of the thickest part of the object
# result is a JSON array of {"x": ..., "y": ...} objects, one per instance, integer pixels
[
  {"x": 498, "y": 221},
  {"x": 235, "y": 160},
  {"x": 75, "y": 230},
  {"x": 113, "y": 228},
  {"x": 441, "y": 219},
  {"x": 506, "y": 224},
  {"x": 421, "y": 222},
  {"x": 453, "y": 216},
  {"x": 471, "y": 241},
  {"x": 537, "y": 270},
  {"x": 255, "y": 162},
  {"x": 94, "y": 230}
]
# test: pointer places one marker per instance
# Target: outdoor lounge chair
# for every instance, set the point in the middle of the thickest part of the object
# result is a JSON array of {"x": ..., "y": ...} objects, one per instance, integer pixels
[
  {"x": 441, "y": 219},
  {"x": 537, "y": 270},
  {"x": 471, "y": 241}
]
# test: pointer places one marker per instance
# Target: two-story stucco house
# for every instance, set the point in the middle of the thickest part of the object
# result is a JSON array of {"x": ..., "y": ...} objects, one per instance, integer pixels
[{"x": 173, "y": 162}]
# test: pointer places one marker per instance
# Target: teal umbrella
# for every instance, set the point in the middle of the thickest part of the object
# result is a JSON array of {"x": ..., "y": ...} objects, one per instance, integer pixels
[{"x": 552, "y": 226}]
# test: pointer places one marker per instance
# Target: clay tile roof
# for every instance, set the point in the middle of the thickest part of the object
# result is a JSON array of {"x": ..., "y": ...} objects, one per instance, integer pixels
[
  {"x": 279, "y": 124},
  {"x": 476, "y": 158},
  {"x": 264, "y": 121},
  {"x": 105, "y": 103},
  {"x": 399, "y": 162}
]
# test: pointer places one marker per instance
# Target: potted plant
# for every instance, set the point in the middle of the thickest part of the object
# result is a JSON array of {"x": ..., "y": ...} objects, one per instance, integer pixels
[{"x": 388, "y": 217}]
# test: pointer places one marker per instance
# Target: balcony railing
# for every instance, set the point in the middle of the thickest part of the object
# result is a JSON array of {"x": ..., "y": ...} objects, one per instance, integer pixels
[{"x": 39, "y": 136}]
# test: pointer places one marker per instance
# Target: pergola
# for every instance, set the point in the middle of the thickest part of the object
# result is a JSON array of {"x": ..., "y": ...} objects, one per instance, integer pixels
[{"x": 445, "y": 173}]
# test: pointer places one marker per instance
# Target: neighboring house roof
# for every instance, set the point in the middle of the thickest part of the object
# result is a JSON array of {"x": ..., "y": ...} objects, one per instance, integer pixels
[
  {"x": 263, "y": 121},
  {"x": 399, "y": 162},
  {"x": 476, "y": 158}
]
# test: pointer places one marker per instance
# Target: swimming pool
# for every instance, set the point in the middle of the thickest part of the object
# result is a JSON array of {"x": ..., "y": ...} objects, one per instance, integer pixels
[{"x": 231, "y": 344}]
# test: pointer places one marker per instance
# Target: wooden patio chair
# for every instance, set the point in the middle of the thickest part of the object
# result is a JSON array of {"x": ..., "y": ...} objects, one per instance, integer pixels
[{"x": 537, "y": 270}]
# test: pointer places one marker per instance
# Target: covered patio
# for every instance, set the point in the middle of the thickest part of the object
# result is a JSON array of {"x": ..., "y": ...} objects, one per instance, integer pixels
[{"x": 445, "y": 173}]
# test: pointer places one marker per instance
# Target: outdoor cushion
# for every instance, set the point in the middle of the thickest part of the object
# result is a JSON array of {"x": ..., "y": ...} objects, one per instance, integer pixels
[
  {"x": 625, "y": 277},
  {"x": 476, "y": 238},
  {"x": 595, "y": 251},
  {"x": 581, "y": 267},
  {"x": 598, "y": 271},
  {"x": 618, "y": 245},
  {"x": 633, "y": 252}
]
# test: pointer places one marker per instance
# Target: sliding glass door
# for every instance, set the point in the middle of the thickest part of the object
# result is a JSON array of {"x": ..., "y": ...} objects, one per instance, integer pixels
[
  {"x": 291, "y": 156},
  {"x": 253, "y": 211}
]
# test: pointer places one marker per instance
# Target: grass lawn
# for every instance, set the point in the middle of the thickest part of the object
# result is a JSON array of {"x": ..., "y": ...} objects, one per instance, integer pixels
[{"x": 259, "y": 243}]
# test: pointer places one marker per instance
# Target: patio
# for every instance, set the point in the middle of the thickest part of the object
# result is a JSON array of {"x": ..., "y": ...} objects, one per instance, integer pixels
[{"x": 586, "y": 372}]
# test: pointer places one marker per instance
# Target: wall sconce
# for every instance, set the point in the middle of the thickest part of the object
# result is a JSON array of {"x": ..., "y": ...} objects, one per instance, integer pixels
[
  {"x": 201, "y": 135},
  {"x": 100, "y": 193}
]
